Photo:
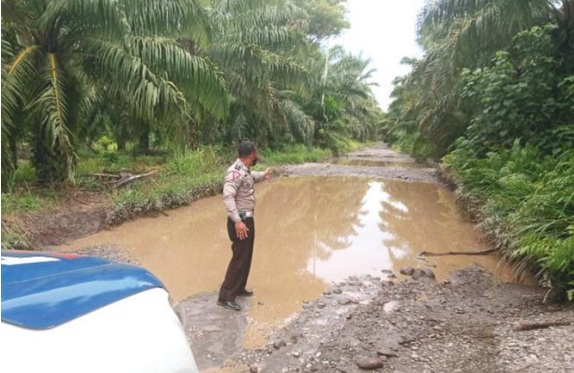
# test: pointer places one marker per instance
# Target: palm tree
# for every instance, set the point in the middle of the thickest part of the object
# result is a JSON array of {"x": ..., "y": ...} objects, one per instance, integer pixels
[
  {"x": 59, "y": 52},
  {"x": 458, "y": 34},
  {"x": 342, "y": 103},
  {"x": 351, "y": 83},
  {"x": 254, "y": 43},
  {"x": 176, "y": 30},
  {"x": 326, "y": 18}
]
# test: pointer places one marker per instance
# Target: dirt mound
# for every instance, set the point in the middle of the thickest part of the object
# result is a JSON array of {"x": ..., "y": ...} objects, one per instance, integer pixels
[
  {"x": 470, "y": 323},
  {"x": 79, "y": 214}
]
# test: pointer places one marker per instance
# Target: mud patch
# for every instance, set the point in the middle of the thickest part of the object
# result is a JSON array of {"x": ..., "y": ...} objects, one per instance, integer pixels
[
  {"x": 216, "y": 334},
  {"x": 464, "y": 324},
  {"x": 370, "y": 162}
]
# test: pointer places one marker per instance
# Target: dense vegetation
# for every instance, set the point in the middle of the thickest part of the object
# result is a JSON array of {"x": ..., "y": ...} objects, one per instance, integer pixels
[
  {"x": 493, "y": 97},
  {"x": 92, "y": 86},
  {"x": 175, "y": 75},
  {"x": 93, "y": 89}
]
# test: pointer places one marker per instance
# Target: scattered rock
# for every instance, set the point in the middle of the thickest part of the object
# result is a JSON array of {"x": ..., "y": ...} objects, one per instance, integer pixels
[
  {"x": 391, "y": 306},
  {"x": 295, "y": 337},
  {"x": 345, "y": 301},
  {"x": 279, "y": 343},
  {"x": 424, "y": 326},
  {"x": 407, "y": 271},
  {"x": 428, "y": 273},
  {"x": 370, "y": 364},
  {"x": 420, "y": 273}
]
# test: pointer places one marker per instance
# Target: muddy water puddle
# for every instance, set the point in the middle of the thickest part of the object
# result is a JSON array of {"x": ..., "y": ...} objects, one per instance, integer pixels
[{"x": 310, "y": 232}]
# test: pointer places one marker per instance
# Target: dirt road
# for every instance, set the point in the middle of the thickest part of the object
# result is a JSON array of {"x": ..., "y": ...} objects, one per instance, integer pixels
[
  {"x": 392, "y": 323},
  {"x": 469, "y": 323}
]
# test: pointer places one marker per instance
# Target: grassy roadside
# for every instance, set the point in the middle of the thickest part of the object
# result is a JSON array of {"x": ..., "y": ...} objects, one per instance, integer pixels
[
  {"x": 170, "y": 182},
  {"x": 525, "y": 203}
]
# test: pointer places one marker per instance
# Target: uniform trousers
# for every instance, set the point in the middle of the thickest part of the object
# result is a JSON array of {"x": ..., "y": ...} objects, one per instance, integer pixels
[{"x": 240, "y": 264}]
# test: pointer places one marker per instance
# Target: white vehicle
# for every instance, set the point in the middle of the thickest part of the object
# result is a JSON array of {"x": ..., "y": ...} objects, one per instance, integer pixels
[{"x": 69, "y": 313}]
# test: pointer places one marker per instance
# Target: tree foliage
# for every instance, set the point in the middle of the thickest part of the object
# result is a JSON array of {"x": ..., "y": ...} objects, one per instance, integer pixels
[
  {"x": 70, "y": 52},
  {"x": 492, "y": 97},
  {"x": 178, "y": 72},
  {"x": 522, "y": 94},
  {"x": 465, "y": 34}
]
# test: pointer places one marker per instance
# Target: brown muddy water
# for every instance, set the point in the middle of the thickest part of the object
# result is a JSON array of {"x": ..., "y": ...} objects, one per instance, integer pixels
[{"x": 310, "y": 232}]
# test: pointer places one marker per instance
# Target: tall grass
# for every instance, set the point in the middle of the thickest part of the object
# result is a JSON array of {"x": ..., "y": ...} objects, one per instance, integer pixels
[
  {"x": 22, "y": 195},
  {"x": 24, "y": 202},
  {"x": 93, "y": 164},
  {"x": 179, "y": 182},
  {"x": 527, "y": 206},
  {"x": 294, "y": 154}
]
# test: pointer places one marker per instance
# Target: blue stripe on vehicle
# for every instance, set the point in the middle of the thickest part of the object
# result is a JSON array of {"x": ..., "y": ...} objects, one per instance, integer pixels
[{"x": 47, "y": 294}]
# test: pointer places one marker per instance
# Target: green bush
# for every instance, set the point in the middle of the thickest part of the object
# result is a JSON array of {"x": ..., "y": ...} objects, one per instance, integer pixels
[
  {"x": 294, "y": 154},
  {"x": 521, "y": 94},
  {"x": 106, "y": 148},
  {"x": 178, "y": 183},
  {"x": 22, "y": 202},
  {"x": 527, "y": 204}
]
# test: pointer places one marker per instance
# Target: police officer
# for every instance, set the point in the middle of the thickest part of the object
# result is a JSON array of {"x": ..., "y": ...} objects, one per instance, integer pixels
[{"x": 239, "y": 199}]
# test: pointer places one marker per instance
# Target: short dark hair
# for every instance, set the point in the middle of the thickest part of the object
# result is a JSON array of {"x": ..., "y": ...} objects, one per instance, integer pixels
[{"x": 245, "y": 148}]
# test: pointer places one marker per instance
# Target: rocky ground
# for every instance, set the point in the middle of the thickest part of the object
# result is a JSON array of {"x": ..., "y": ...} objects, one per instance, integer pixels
[
  {"x": 469, "y": 323},
  {"x": 395, "y": 323},
  {"x": 375, "y": 161}
]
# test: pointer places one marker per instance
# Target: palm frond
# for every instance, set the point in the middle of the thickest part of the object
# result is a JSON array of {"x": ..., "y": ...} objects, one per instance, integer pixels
[
  {"x": 16, "y": 86},
  {"x": 173, "y": 19},
  {"x": 301, "y": 126},
  {"x": 73, "y": 19},
  {"x": 193, "y": 74},
  {"x": 50, "y": 105}
]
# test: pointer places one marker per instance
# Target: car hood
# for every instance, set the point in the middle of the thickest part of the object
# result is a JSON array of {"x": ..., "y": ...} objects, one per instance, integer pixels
[{"x": 42, "y": 290}]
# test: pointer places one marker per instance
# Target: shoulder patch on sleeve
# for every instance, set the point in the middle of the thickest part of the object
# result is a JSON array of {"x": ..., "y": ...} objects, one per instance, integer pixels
[{"x": 235, "y": 175}]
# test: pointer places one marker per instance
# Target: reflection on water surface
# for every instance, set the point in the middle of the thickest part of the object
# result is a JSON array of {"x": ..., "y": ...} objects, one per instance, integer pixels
[{"x": 310, "y": 231}]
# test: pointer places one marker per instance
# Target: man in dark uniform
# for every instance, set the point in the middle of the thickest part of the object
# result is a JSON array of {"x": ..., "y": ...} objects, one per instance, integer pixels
[{"x": 239, "y": 199}]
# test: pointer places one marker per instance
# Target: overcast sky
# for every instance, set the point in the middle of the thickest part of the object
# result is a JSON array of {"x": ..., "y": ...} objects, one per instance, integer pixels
[{"x": 384, "y": 31}]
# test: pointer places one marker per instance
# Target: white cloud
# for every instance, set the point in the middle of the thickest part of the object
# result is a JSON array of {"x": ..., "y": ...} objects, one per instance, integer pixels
[{"x": 384, "y": 31}]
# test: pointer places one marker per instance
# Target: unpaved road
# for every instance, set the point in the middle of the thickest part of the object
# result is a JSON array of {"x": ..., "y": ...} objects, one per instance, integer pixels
[
  {"x": 375, "y": 161},
  {"x": 391, "y": 323},
  {"x": 469, "y": 323}
]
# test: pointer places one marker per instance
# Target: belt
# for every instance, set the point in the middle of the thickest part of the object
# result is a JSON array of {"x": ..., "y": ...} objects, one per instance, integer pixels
[{"x": 246, "y": 214}]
